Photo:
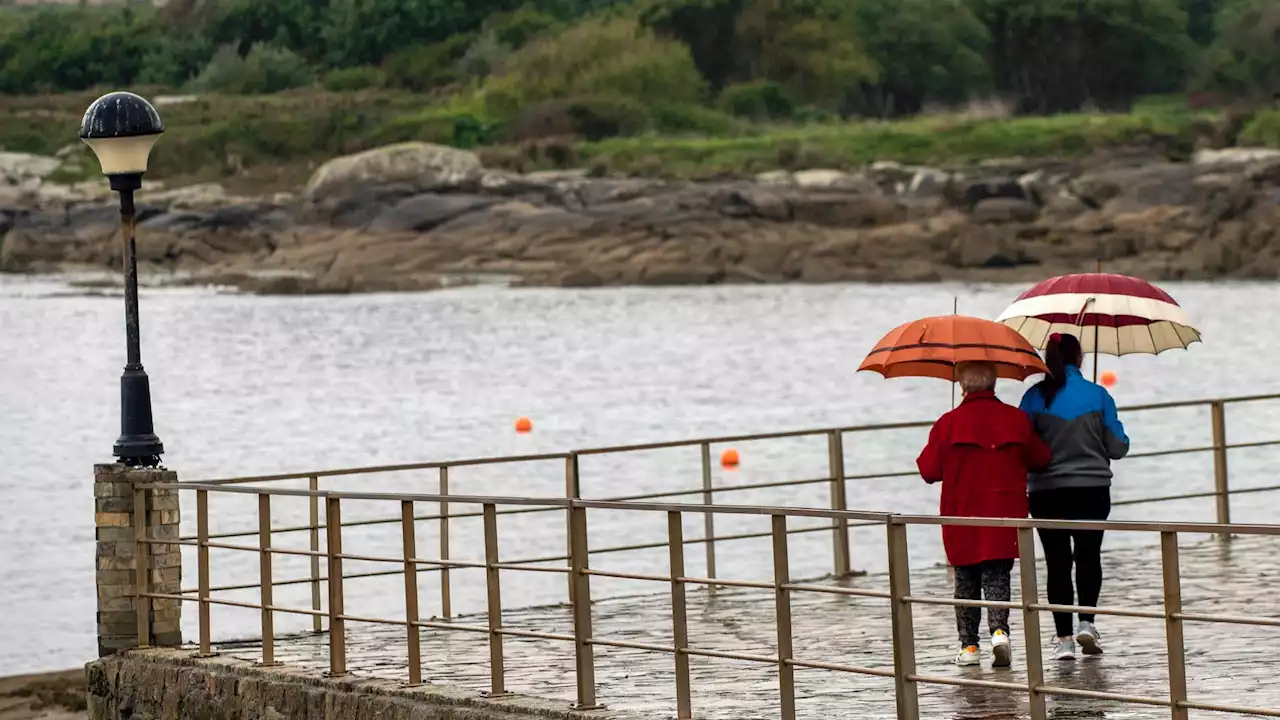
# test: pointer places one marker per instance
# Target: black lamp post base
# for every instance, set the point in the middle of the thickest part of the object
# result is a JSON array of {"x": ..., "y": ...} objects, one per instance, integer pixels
[{"x": 137, "y": 445}]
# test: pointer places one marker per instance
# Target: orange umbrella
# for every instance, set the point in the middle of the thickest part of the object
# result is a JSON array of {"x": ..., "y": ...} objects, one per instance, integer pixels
[{"x": 931, "y": 347}]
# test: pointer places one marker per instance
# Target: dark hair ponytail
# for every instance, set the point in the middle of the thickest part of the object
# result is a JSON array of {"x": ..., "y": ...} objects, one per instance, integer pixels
[{"x": 1062, "y": 350}]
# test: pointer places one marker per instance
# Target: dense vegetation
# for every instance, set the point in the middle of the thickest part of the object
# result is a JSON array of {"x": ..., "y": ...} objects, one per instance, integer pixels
[{"x": 626, "y": 75}]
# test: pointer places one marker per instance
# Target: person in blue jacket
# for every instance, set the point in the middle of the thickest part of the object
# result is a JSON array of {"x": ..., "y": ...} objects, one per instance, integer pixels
[{"x": 1077, "y": 419}]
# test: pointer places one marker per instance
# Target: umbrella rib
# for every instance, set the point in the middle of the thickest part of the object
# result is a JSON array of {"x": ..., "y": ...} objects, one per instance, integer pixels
[{"x": 952, "y": 346}]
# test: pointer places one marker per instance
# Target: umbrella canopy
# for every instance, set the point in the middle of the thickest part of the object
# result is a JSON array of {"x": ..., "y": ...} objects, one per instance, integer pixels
[
  {"x": 932, "y": 347},
  {"x": 1110, "y": 314}
]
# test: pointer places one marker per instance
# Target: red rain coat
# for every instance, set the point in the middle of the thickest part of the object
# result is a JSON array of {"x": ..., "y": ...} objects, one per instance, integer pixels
[{"x": 981, "y": 452}]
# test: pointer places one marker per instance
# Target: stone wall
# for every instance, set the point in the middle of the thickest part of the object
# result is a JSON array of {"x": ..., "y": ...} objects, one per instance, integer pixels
[
  {"x": 117, "y": 558},
  {"x": 163, "y": 684}
]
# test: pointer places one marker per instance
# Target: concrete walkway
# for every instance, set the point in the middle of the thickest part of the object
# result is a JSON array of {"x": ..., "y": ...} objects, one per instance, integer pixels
[{"x": 1227, "y": 664}]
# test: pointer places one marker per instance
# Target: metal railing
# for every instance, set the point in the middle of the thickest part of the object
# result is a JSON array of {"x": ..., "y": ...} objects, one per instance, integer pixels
[
  {"x": 836, "y": 480},
  {"x": 324, "y": 532},
  {"x": 904, "y": 673}
]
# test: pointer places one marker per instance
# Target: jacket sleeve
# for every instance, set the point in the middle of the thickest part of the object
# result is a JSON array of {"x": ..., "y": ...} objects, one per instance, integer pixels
[
  {"x": 1113, "y": 436},
  {"x": 1036, "y": 454},
  {"x": 932, "y": 460}
]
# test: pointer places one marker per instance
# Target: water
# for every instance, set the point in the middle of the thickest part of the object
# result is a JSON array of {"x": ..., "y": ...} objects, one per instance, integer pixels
[{"x": 247, "y": 385}]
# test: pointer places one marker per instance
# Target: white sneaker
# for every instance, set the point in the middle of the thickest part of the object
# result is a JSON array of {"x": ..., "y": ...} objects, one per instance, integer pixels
[
  {"x": 1001, "y": 653},
  {"x": 969, "y": 656},
  {"x": 1089, "y": 638},
  {"x": 1064, "y": 648}
]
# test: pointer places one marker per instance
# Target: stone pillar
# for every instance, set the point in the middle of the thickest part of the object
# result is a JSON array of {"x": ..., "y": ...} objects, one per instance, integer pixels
[{"x": 117, "y": 557}]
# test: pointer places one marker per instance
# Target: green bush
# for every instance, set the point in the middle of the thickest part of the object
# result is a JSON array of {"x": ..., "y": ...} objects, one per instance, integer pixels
[
  {"x": 592, "y": 118},
  {"x": 482, "y": 57},
  {"x": 685, "y": 119},
  {"x": 350, "y": 79},
  {"x": 422, "y": 68},
  {"x": 757, "y": 101},
  {"x": 1263, "y": 130},
  {"x": 442, "y": 126},
  {"x": 595, "y": 58},
  {"x": 266, "y": 69}
]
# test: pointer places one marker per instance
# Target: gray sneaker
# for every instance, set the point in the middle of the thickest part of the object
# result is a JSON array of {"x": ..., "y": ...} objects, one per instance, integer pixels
[
  {"x": 1089, "y": 638},
  {"x": 1064, "y": 648}
]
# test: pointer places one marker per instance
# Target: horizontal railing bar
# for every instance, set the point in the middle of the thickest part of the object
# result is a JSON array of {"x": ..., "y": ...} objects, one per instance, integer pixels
[
  {"x": 729, "y": 655},
  {"x": 836, "y": 590},
  {"x": 627, "y": 575},
  {"x": 1118, "y": 612},
  {"x": 180, "y": 541},
  {"x": 1098, "y": 695},
  {"x": 235, "y": 603},
  {"x": 838, "y": 668},
  {"x": 630, "y": 645},
  {"x": 1228, "y": 619},
  {"x": 376, "y": 469},
  {"x": 956, "y": 602},
  {"x": 512, "y": 459},
  {"x": 300, "y": 581},
  {"x": 435, "y": 563},
  {"x": 1164, "y": 498},
  {"x": 877, "y": 517},
  {"x": 365, "y": 523},
  {"x": 437, "y": 625},
  {"x": 528, "y": 568},
  {"x": 966, "y": 682},
  {"x": 534, "y": 635},
  {"x": 1171, "y": 451},
  {"x": 720, "y": 489},
  {"x": 718, "y": 582},
  {"x": 373, "y": 621},
  {"x": 1108, "y": 525},
  {"x": 1239, "y": 709}
]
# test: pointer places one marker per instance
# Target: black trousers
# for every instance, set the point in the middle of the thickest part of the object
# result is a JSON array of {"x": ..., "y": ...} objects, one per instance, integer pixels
[
  {"x": 987, "y": 580},
  {"x": 1065, "y": 548}
]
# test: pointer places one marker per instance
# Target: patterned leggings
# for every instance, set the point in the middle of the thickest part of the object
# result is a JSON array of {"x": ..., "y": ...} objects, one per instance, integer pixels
[{"x": 987, "y": 580}]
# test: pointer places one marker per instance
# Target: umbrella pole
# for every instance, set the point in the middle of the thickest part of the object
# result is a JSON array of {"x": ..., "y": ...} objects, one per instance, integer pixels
[
  {"x": 1095, "y": 324},
  {"x": 955, "y": 310}
]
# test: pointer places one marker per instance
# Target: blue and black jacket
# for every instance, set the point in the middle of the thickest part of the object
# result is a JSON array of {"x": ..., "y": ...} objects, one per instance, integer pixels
[{"x": 1082, "y": 428}]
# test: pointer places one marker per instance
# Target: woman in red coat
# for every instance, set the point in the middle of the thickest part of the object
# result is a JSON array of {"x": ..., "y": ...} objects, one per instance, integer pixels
[{"x": 981, "y": 452}]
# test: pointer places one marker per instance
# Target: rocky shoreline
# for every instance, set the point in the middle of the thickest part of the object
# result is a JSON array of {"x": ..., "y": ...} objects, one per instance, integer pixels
[{"x": 418, "y": 216}]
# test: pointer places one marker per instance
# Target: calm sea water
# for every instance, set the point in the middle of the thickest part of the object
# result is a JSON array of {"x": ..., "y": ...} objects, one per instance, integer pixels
[{"x": 249, "y": 385}]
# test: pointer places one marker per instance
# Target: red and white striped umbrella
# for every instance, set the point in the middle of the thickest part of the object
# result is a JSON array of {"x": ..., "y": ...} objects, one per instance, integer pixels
[{"x": 1111, "y": 314}]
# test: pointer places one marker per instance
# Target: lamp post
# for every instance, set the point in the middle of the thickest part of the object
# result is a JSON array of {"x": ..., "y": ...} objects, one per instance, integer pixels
[{"x": 121, "y": 128}]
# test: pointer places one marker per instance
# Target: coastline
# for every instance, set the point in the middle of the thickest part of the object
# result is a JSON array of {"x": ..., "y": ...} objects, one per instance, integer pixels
[{"x": 416, "y": 216}]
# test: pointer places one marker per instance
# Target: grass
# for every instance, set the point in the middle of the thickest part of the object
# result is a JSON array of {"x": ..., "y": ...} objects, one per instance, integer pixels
[{"x": 274, "y": 142}]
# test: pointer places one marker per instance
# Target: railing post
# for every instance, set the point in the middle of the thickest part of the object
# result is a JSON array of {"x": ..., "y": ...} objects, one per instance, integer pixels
[
  {"x": 446, "y": 600},
  {"x": 497, "y": 682},
  {"x": 142, "y": 573},
  {"x": 314, "y": 501},
  {"x": 782, "y": 607},
  {"x": 708, "y": 519},
  {"x": 410, "y": 541},
  {"x": 1176, "y": 651},
  {"x": 839, "y": 501},
  {"x": 1031, "y": 622},
  {"x": 266, "y": 595},
  {"x": 679, "y": 615},
  {"x": 202, "y": 570},
  {"x": 583, "y": 650},
  {"x": 572, "y": 491},
  {"x": 337, "y": 624},
  {"x": 904, "y": 649},
  {"x": 1218, "y": 413}
]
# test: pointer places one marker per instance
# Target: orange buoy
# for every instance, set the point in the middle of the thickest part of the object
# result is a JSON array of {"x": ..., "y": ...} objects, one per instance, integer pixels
[
  {"x": 1108, "y": 378},
  {"x": 524, "y": 425},
  {"x": 729, "y": 459}
]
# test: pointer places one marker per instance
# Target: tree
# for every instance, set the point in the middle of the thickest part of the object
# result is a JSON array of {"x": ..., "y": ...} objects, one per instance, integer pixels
[
  {"x": 1244, "y": 60},
  {"x": 1056, "y": 56},
  {"x": 809, "y": 46},
  {"x": 363, "y": 32},
  {"x": 708, "y": 27},
  {"x": 926, "y": 51}
]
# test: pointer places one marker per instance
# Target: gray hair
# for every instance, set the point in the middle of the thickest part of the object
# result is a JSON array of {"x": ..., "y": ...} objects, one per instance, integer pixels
[{"x": 976, "y": 376}]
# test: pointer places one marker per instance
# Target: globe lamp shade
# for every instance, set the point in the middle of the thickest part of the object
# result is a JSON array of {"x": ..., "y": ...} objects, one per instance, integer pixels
[{"x": 121, "y": 128}]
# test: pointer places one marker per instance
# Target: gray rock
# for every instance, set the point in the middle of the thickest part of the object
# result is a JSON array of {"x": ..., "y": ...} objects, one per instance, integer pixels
[
  {"x": 421, "y": 166},
  {"x": 1005, "y": 210},
  {"x": 421, "y": 213}
]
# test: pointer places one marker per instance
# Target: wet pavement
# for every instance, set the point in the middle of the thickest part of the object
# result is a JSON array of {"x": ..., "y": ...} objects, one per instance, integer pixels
[{"x": 1226, "y": 664}]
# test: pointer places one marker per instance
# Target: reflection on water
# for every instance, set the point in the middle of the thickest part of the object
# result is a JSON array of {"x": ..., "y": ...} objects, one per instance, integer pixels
[{"x": 247, "y": 385}]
